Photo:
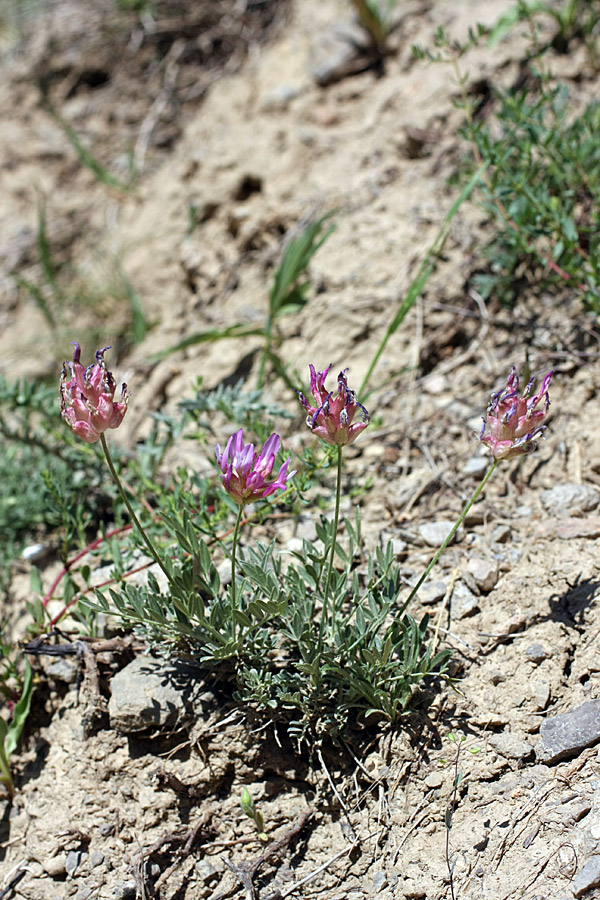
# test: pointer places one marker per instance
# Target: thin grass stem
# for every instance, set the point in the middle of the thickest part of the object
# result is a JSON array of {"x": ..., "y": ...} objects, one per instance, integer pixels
[
  {"x": 455, "y": 528},
  {"x": 134, "y": 518}
]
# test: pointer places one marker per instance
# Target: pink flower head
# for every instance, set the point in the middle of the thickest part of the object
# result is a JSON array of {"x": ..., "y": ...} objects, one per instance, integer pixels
[
  {"x": 245, "y": 472},
  {"x": 332, "y": 418},
  {"x": 514, "y": 422},
  {"x": 87, "y": 397}
]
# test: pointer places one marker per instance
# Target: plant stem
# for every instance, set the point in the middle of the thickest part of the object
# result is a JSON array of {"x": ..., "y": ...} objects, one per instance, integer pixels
[
  {"x": 336, "y": 519},
  {"x": 134, "y": 518},
  {"x": 455, "y": 528},
  {"x": 236, "y": 532}
]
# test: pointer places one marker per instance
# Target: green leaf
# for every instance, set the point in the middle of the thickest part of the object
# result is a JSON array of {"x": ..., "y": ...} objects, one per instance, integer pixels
[{"x": 296, "y": 258}]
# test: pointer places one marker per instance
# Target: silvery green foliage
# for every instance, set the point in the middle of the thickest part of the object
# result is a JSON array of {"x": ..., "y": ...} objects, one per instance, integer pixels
[{"x": 316, "y": 678}]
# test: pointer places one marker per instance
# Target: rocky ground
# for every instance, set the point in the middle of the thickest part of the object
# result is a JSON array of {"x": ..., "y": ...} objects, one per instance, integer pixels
[{"x": 251, "y": 118}]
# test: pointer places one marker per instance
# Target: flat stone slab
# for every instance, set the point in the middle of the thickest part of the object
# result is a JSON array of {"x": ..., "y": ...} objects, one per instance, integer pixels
[
  {"x": 587, "y": 878},
  {"x": 570, "y": 499},
  {"x": 155, "y": 693},
  {"x": 569, "y": 733}
]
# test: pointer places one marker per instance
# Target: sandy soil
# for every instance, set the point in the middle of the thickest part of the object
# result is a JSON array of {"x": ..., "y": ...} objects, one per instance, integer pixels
[{"x": 229, "y": 122}]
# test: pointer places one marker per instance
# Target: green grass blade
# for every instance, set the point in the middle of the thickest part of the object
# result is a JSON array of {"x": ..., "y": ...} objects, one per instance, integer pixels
[
  {"x": 20, "y": 712},
  {"x": 39, "y": 298},
  {"x": 295, "y": 260},
  {"x": 139, "y": 325},
  {"x": 86, "y": 158},
  {"x": 239, "y": 330}
]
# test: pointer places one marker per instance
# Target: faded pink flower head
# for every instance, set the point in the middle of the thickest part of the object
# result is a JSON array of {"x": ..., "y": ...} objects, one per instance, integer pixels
[
  {"x": 87, "y": 397},
  {"x": 332, "y": 418},
  {"x": 513, "y": 422},
  {"x": 245, "y": 472}
]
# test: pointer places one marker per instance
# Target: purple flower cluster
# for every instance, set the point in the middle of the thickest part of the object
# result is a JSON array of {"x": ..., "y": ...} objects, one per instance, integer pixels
[
  {"x": 245, "y": 472},
  {"x": 514, "y": 422},
  {"x": 87, "y": 401},
  {"x": 332, "y": 417}
]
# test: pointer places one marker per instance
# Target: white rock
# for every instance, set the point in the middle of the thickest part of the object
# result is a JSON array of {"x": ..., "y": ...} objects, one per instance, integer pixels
[{"x": 484, "y": 571}]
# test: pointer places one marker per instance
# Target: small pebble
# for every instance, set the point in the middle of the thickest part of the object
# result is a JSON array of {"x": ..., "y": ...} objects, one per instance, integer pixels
[
  {"x": 476, "y": 466},
  {"x": 434, "y": 780},
  {"x": 431, "y": 592},
  {"x": 501, "y": 534},
  {"x": 464, "y": 603},
  {"x": 537, "y": 653},
  {"x": 125, "y": 890},
  {"x": 484, "y": 571},
  {"x": 510, "y": 746},
  {"x": 379, "y": 881},
  {"x": 435, "y": 533},
  {"x": 570, "y": 499},
  {"x": 62, "y": 670},
  {"x": 74, "y": 858},
  {"x": 96, "y": 858},
  {"x": 588, "y": 877},
  {"x": 55, "y": 866},
  {"x": 35, "y": 552},
  {"x": 541, "y": 693},
  {"x": 224, "y": 570},
  {"x": 84, "y": 893},
  {"x": 206, "y": 870}
]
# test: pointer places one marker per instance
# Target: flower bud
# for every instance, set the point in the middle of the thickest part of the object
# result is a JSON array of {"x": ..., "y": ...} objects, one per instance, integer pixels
[
  {"x": 87, "y": 397},
  {"x": 514, "y": 422},
  {"x": 332, "y": 417},
  {"x": 244, "y": 472}
]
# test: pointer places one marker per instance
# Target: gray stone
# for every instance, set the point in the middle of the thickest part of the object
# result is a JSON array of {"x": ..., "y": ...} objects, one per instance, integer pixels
[
  {"x": 541, "y": 693},
  {"x": 155, "y": 693},
  {"x": 74, "y": 859},
  {"x": 435, "y": 533},
  {"x": 55, "y": 866},
  {"x": 96, "y": 858},
  {"x": 568, "y": 733},
  {"x": 434, "y": 781},
  {"x": 431, "y": 592},
  {"x": 125, "y": 890},
  {"x": 206, "y": 871},
  {"x": 587, "y": 878},
  {"x": 537, "y": 653},
  {"x": 62, "y": 670},
  {"x": 84, "y": 893},
  {"x": 501, "y": 534},
  {"x": 476, "y": 466},
  {"x": 35, "y": 552},
  {"x": 224, "y": 571},
  {"x": 570, "y": 499},
  {"x": 484, "y": 571},
  {"x": 379, "y": 881},
  {"x": 464, "y": 603},
  {"x": 511, "y": 747},
  {"x": 305, "y": 528}
]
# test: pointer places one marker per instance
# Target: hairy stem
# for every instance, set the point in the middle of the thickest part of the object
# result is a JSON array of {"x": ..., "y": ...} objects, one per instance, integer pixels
[
  {"x": 455, "y": 528},
  {"x": 336, "y": 519},
  {"x": 134, "y": 518},
  {"x": 236, "y": 532}
]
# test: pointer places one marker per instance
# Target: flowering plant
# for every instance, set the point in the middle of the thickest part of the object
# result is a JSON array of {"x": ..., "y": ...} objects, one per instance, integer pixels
[
  {"x": 87, "y": 401},
  {"x": 514, "y": 422},
  {"x": 244, "y": 472},
  {"x": 332, "y": 418}
]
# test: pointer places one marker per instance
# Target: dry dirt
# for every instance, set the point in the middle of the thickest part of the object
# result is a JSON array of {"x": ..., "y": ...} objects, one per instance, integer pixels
[{"x": 219, "y": 109}]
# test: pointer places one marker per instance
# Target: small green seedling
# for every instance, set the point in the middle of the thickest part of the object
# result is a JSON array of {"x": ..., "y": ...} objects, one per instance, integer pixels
[
  {"x": 10, "y": 733},
  {"x": 249, "y": 808}
]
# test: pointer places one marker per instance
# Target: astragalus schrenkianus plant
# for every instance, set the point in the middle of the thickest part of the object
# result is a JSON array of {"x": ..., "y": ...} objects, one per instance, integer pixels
[{"x": 316, "y": 636}]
